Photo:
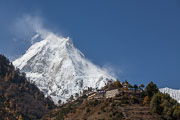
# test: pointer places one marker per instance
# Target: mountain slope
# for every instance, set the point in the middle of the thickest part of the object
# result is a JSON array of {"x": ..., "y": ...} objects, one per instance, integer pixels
[
  {"x": 19, "y": 99},
  {"x": 172, "y": 92},
  {"x": 124, "y": 106},
  {"x": 59, "y": 69}
]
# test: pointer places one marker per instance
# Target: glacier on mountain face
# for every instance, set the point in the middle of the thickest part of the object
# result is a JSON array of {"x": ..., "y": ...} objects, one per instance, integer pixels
[
  {"x": 172, "y": 92},
  {"x": 59, "y": 69}
]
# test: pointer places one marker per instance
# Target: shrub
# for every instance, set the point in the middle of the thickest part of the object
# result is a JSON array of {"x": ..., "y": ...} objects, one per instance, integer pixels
[
  {"x": 155, "y": 104},
  {"x": 164, "y": 105},
  {"x": 119, "y": 115},
  {"x": 88, "y": 110},
  {"x": 102, "y": 108},
  {"x": 94, "y": 103}
]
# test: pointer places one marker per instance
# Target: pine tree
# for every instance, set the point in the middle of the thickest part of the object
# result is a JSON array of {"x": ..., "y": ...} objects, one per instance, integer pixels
[{"x": 151, "y": 89}]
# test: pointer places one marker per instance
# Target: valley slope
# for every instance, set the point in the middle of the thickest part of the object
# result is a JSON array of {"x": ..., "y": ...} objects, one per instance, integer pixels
[{"x": 20, "y": 99}]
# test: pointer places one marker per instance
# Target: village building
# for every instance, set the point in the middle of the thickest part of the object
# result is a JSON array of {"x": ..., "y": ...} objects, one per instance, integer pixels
[
  {"x": 91, "y": 96},
  {"x": 112, "y": 93},
  {"x": 125, "y": 85},
  {"x": 96, "y": 95},
  {"x": 131, "y": 90},
  {"x": 139, "y": 90}
]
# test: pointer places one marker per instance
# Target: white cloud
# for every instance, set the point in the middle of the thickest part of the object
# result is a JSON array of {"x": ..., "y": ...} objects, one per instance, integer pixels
[
  {"x": 34, "y": 38},
  {"x": 112, "y": 70},
  {"x": 28, "y": 26},
  {"x": 31, "y": 28}
]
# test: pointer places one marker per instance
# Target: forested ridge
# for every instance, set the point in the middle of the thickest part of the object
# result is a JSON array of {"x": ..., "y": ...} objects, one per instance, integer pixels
[{"x": 19, "y": 99}]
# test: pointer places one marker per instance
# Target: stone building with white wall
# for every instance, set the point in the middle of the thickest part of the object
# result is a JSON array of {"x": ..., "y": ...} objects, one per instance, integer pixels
[{"x": 111, "y": 93}]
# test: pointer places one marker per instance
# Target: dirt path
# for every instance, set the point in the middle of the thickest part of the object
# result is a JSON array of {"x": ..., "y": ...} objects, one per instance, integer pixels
[
  {"x": 137, "y": 112},
  {"x": 123, "y": 112}
]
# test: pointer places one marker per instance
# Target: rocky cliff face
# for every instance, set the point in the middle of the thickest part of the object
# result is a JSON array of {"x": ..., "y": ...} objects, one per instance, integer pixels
[{"x": 59, "y": 69}]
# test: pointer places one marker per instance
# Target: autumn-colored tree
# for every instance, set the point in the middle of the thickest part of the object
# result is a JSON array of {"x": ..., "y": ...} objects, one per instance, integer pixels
[
  {"x": 18, "y": 96},
  {"x": 36, "y": 95},
  {"x": 11, "y": 103},
  {"x": 146, "y": 100},
  {"x": 47, "y": 106},
  {"x": 6, "y": 118},
  {"x": 117, "y": 84},
  {"x": 20, "y": 117},
  {"x": 12, "y": 75},
  {"x": 6, "y": 77}
]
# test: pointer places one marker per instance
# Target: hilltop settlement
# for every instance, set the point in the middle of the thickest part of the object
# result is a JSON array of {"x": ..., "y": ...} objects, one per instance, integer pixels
[
  {"x": 118, "y": 101},
  {"x": 111, "y": 91}
]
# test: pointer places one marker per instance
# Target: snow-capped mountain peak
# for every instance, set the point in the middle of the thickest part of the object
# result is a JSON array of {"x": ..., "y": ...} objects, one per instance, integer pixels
[
  {"x": 172, "y": 92},
  {"x": 59, "y": 69}
]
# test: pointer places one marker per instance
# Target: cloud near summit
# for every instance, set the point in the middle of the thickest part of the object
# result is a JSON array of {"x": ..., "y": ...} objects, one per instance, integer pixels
[{"x": 28, "y": 28}]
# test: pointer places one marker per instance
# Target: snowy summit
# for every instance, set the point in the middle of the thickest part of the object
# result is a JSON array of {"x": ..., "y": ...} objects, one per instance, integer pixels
[{"x": 59, "y": 69}]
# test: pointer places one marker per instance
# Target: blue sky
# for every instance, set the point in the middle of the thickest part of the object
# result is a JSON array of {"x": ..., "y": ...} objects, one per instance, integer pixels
[{"x": 140, "y": 39}]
